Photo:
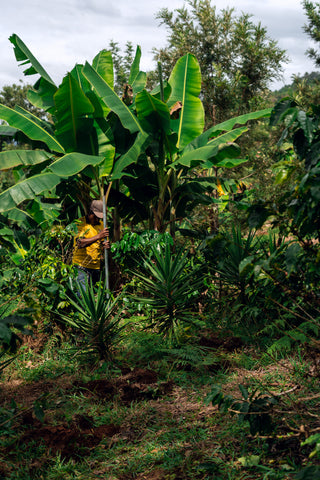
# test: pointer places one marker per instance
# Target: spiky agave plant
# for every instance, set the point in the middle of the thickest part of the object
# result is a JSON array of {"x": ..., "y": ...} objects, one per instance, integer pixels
[
  {"x": 228, "y": 255},
  {"x": 170, "y": 284},
  {"x": 97, "y": 317}
]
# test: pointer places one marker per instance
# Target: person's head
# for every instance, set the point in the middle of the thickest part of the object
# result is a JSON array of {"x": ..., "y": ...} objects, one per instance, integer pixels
[{"x": 95, "y": 213}]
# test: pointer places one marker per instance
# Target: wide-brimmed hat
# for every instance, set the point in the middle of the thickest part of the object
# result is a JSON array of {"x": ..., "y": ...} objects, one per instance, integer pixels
[{"x": 97, "y": 208}]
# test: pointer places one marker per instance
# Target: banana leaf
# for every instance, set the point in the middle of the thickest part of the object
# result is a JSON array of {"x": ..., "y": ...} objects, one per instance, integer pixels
[
  {"x": 111, "y": 99},
  {"x": 140, "y": 83},
  {"x": 74, "y": 162},
  {"x": 14, "y": 158},
  {"x": 154, "y": 115},
  {"x": 130, "y": 157},
  {"x": 135, "y": 67},
  {"x": 210, "y": 151},
  {"x": 23, "y": 55},
  {"x": 42, "y": 94},
  {"x": 226, "y": 126},
  {"x": 103, "y": 65},
  {"x": 28, "y": 189},
  {"x": 7, "y": 131},
  {"x": 29, "y": 125},
  {"x": 72, "y": 107},
  {"x": 185, "y": 82},
  {"x": 137, "y": 79}
]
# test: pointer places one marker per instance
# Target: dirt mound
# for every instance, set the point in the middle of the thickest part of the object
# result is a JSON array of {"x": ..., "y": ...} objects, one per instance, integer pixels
[
  {"x": 81, "y": 434},
  {"x": 28, "y": 393},
  {"x": 139, "y": 384},
  {"x": 69, "y": 441},
  {"x": 227, "y": 343}
]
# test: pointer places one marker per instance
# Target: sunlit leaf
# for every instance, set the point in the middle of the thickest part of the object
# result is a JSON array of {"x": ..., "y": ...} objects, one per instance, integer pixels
[{"x": 185, "y": 82}]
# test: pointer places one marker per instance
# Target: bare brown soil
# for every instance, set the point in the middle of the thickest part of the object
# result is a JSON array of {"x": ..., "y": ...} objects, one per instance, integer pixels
[{"x": 72, "y": 440}]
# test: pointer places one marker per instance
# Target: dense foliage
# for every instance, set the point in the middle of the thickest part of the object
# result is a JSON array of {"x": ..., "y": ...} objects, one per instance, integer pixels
[{"x": 193, "y": 298}]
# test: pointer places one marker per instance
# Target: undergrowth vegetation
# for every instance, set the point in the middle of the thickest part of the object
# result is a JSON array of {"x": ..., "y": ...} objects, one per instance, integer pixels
[{"x": 212, "y": 373}]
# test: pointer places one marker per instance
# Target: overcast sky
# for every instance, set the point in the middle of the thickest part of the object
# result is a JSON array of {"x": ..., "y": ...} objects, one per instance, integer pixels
[{"x": 61, "y": 33}]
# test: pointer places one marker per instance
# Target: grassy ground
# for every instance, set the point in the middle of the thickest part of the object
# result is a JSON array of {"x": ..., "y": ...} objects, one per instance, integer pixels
[{"x": 146, "y": 417}]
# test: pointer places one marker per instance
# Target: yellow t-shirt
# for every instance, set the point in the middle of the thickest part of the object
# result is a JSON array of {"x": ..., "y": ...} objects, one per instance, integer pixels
[{"x": 88, "y": 257}]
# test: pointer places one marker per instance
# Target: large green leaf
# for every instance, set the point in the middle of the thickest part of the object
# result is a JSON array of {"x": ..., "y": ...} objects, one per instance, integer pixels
[
  {"x": 111, "y": 99},
  {"x": 76, "y": 72},
  {"x": 106, "y": 167},
  {"x": 104, "y": 133},
  {"x": 29, "y": 125},
  {"x": 210, "y": 151},
  {"x": 14, "y": 158},
  {"x": 227, "y": 126},
  {"x": 131, "y": 156},
  {"x": 73, "y": 163},
  {"x": 27, "y": 190},
  {"x": 5, "y": 130},
  {"x": 100, "y": 109},
  {"x": 42, "y": 123},
  {"x": 42, "y": 94},
  {"x": 228, "y": 162},
  {"x": 139, "y": 83},
  {"x": 225, "y": 153},
  {"x": 137, "y": 79},
  {"x": 281, "y": 109},
  {"x": 228, "y": 137},
  {"x": 72, "y": 106},
  {"x": 23, "y": 55},
  {"x": 154, "y": 115},
  {"x": 135, "y": 67},
  {"x": 103, "y": 65},
  {"x": 185, "y": 81},
  {"x": 20, "y": 217}
]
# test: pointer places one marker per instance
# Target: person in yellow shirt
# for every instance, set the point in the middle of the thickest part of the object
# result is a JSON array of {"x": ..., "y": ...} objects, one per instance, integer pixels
[{"x": 88, "y": 244}]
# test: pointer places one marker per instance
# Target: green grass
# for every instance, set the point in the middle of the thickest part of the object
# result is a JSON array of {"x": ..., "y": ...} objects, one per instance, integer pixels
[{"x": 172, "y": 435}]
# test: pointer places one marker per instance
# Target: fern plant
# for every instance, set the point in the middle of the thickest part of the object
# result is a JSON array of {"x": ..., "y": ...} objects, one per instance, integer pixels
[{"x": 169, "y": 285}]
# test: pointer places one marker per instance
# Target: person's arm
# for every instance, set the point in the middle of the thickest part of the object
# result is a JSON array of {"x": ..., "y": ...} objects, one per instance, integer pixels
[{"x": 85, "y": 242}]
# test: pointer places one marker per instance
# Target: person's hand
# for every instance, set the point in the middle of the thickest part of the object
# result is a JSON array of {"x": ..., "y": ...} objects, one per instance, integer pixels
[
  {"x": 104, "y": 233},
  {"x": 106, "y": 245}
]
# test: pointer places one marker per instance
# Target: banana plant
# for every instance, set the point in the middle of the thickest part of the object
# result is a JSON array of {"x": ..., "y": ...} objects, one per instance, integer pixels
[
  {"x": 75, "y": 145},
  {"x": 75, "y": 151},
  {"x": 149, "y": 146},
  {"x": 166, "y": 127}
]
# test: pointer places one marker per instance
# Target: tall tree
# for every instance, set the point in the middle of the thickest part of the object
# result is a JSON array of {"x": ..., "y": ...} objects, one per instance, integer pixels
[
  {"x": 312, "y": 10},
  {"x": 121, "y": 64},
  {"x": 17, "y": 95},
  {"x": 236, "y": 56}
]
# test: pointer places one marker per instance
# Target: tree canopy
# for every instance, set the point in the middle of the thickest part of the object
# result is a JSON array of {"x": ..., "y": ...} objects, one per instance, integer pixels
[
  {"x": 312, "y": 28},
  {"x": 236, "y": 56},
  {"x": 16, "y": 95}
]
